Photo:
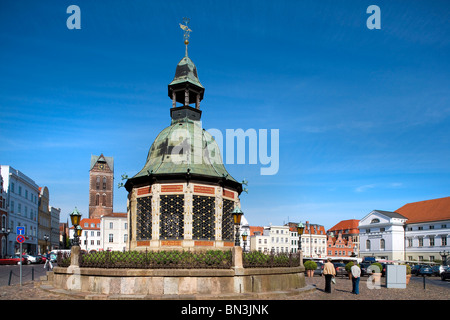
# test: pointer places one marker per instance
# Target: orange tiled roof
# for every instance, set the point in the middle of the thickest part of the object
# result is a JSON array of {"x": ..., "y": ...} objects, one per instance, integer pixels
[
  {"x": 428, "y": 210},
  {"x": 89, "y": 221},
  {"x": 346, "y": 225},
  {"x": 253, "y": 229},
  {"x": 314, "y": 229},
  {"x": 116, "y": 215}
]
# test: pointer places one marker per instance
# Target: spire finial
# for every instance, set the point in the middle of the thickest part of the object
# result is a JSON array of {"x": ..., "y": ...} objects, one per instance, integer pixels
[{"x": 187, "y": 31}]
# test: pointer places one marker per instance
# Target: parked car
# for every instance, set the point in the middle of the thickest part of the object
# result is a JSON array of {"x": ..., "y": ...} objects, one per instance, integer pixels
[
  {"x": 445, "y": 274},
  {"x": 436, "y": 271},
  {"x": 340, "y": 269},
  {"x": 13, "y": 260},
  {"x": 415, "y": 269},
  {"x": 319, "y": 269},
  {"x": 425, "y": 271},
  {"x": 363, "y": 266},
  {"x": 442, "y": 269},
  {"x": 369, "y": 260},
  {"x": 31, "y": 259}
]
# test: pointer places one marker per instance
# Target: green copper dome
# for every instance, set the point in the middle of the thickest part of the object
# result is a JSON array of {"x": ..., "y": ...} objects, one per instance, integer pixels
[
  {"x": 184, "y": 150},
  {"x": 185, "y": 146}
]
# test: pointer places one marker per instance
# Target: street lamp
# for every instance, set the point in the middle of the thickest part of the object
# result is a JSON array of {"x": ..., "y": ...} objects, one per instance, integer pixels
[
  {"x": 75, "y": 218},
  {"x": 244, "y": 238},
  {"x": 444, "y": 255},
  {"x": 46, "y": 238},
  {"x": 237, "y": 214},
  {"x": 300, "y": 229}
]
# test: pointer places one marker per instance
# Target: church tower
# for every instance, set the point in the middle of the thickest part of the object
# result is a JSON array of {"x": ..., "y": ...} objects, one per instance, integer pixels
[{"x": 101, "y": 180}]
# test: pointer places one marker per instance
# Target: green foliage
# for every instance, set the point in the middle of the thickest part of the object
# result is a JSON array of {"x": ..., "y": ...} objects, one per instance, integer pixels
[
  {"x": 310, "y": 265},
  {"x": 408, "y": 269},
  {"x": 349, "y": 266},
  {"x": 157, "y": 259},
  {"x": 376, "y": 267}
]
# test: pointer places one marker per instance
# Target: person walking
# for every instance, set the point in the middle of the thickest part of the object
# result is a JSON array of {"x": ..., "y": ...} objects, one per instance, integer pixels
[
  {"x": 356, "y": 276},
  {"x": 329, "y": 272},
  {"x": 48, "y": 262}
]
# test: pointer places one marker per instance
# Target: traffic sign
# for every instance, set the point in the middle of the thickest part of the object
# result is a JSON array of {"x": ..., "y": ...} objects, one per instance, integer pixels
[
  {"x": 20, "y": 230},
  {"x": 20, "y": 238}
]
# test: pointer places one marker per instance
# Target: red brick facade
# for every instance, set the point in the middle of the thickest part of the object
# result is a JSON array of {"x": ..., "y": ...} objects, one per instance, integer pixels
[{"x": 101, "y": 180}]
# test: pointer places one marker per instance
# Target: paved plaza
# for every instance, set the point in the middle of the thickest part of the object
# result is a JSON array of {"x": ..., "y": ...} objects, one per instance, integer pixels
[{"x": 435, "y": 289}]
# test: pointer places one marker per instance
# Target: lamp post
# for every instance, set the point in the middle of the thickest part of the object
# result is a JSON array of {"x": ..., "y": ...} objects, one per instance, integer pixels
[
  {"x": 237, "y": 214},
  {"x": 5, "y": 232},
  {"x": 244, "y": 238},
  {"x": 300, "y": 229},
  {"x": 75, "y": 218},
  {"x": 444, "y": 255}
]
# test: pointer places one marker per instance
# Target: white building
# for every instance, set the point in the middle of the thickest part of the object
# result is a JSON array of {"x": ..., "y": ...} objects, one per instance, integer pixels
[
  {"x": 114, "y": 232},
  {"x": 427, "y": 229},
  {"x": 418, "y": 231},
  {"x": 110, "y": 232},
  {"x": 280, "y": 241},
  {"x": 314, "y": 241},
  {"x": 90, "y": 239},
  {"x": 381, "y": 235},
  {"x": 259, "y": 239},
  {"x": 22, "y": 205}
]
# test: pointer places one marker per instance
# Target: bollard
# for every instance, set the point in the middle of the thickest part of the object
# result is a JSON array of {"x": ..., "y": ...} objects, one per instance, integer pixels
[
  {"x": 424, "y": 287},
  {"x": 32, "y": 273},
  {"x": 10, "y": 276}
]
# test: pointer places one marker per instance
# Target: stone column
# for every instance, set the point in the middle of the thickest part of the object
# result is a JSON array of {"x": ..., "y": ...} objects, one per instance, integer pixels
[
  {"x": 218, "y": 213},
  {"x": 237, "y": 262},
  {"x": 174, "y": 99},
  {"x": 188, "y": 202},
  {"x": 75, "y": 252},
  {"x": 156, "y": 189},
  {"x": 186, "y": 97},
  {"x": 197, "y": 102}
]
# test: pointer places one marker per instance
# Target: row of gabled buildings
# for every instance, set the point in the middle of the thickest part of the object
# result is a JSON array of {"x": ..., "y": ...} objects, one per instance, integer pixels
[
  {"x": 417, "y": 231},
  {"x": 26, "y": 205}
]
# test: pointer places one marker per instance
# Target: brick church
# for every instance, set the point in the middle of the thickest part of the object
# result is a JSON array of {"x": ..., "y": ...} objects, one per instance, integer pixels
[{"x": 101, "y": 179}]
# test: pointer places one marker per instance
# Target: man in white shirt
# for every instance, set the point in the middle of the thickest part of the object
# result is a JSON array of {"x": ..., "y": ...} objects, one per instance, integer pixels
[{"x": 356, "y": 276}]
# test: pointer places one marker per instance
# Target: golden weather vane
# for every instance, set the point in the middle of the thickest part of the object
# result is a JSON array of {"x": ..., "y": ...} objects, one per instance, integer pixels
[{"x": 187, "y": 32}]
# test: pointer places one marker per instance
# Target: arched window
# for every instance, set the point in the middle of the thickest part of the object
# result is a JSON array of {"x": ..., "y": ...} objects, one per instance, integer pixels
[
  {"x": 97, "y": 185},
  {"x": 382, "y": 244},
  {"x": 97, "y": 199},
  {"x": 104, "y": 200},
  {"x": 104, "y": 183},
  {"x": 368, "y": 244},
  {"x": 375, "y": 220}
]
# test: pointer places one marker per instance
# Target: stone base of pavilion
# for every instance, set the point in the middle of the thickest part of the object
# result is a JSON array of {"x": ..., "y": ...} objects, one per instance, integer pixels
[{"x": 234, "y": 283}]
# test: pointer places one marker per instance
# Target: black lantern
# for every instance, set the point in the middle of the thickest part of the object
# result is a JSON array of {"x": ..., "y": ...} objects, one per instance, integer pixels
[
  {"x": 75, "y": 217},
  {"x": 300, "y": 229},
  {"x": 237, "y": 215},
  {"x": 244, "y": 238}
]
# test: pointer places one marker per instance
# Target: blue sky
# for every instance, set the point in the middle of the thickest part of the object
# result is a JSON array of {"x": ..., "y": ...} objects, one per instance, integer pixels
[{"x": 363, "y": 115}]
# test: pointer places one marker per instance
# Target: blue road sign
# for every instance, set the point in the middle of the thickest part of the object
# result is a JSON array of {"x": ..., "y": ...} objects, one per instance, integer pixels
[{"x": 20, "y": 230}]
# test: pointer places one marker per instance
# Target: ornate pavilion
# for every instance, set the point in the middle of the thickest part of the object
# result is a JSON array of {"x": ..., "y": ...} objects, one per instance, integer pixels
[{"x": 183, "y": 196}]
